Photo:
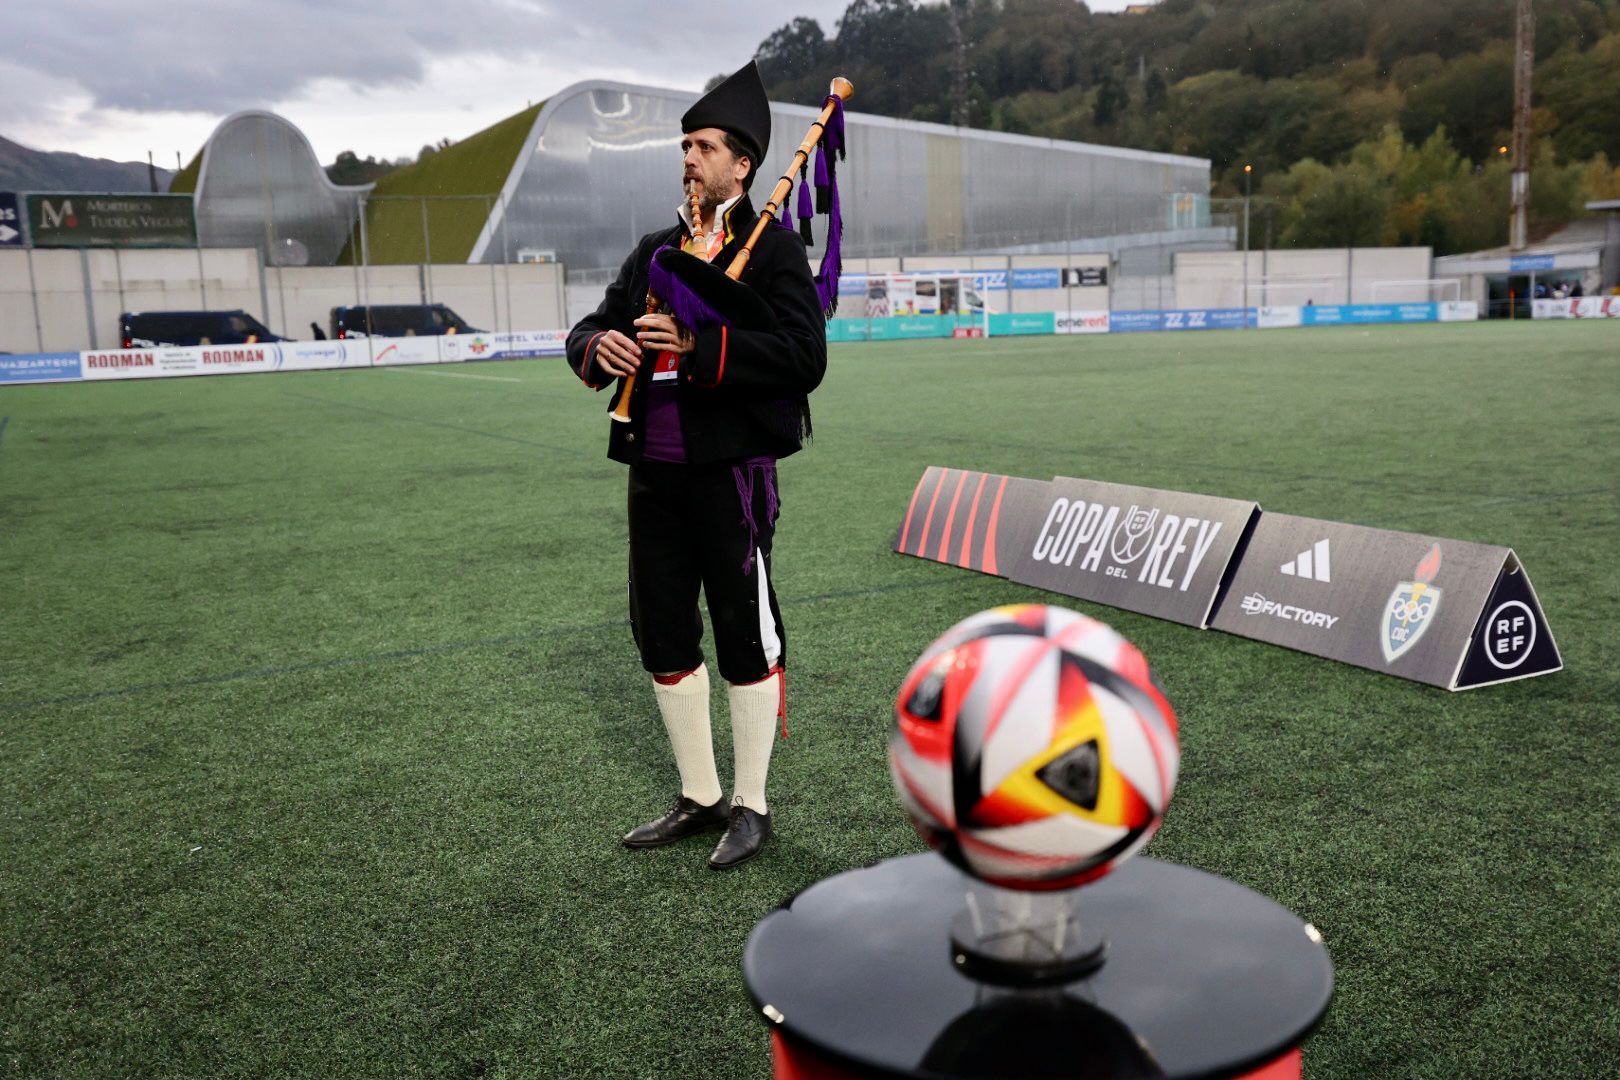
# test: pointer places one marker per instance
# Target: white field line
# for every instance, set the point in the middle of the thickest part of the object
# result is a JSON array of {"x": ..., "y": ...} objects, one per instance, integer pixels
[{"x": 452, "y": 374}]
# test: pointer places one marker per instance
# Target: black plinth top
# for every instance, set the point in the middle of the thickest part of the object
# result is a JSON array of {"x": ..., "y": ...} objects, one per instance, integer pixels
[{"x": 1202, "y": 977}]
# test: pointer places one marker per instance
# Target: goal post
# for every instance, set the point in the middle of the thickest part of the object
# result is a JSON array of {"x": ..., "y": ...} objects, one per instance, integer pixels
[{"x": 1446, "y": 288}]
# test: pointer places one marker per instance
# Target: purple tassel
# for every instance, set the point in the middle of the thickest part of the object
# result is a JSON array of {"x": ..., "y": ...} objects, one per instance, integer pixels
[
  {"x": 832, "y": 142},
  {"x": 805, "y": 214},
  {"x": 833, "y": 135},
  {"x": 828, "y": 153},
  {"x": 678, "y": 299},
  {"x": 823, "y": 180},
  {"x": 744, "y": 476},
  {"x": 832, "y": 264},
  {"x": 805, "y": 210}
]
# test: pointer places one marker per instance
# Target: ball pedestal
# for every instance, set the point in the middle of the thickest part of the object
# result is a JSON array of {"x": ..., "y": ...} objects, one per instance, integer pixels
[
  {"x": 1023, "y": 939},
  {"x": 859, "y": 975}
]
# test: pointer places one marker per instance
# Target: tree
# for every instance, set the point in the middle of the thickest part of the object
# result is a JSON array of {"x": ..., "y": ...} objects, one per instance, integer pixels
[
  {"x": 1155, "y": 94},
  {"x": 1305, "y": 90},
  {"x": 1346, "y": 208},
  {"x": 795, "y": 51},
  {"x": 1579, "y": 90},
  {"x": 1598, "y": 180},
  {"x": 1471, "y": 96},
  {"x": 349, "y": 171},
  {"x": 1110, "y": 101}
]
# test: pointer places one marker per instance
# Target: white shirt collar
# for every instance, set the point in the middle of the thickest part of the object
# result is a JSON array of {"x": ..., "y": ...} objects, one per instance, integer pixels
[{"x": 717, "y": 221}]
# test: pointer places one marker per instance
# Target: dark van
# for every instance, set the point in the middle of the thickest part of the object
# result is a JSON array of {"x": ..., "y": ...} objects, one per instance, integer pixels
[
  {"x": 149, "y": 329},
  {"x": 397, "y": 320}
]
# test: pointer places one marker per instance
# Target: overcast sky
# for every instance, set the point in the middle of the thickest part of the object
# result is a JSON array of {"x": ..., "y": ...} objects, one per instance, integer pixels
[{"x": 114, "y": 79}]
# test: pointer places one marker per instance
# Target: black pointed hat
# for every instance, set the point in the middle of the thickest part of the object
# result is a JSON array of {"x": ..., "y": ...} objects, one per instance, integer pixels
[{"x": 738, "y": 106}]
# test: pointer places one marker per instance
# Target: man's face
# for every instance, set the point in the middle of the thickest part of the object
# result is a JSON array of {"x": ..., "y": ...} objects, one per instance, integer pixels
[{"x": 710, "y": 168}]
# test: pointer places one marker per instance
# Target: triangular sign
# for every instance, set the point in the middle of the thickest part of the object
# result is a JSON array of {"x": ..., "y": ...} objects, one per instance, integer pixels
[{"x": 1511, "y": 639}]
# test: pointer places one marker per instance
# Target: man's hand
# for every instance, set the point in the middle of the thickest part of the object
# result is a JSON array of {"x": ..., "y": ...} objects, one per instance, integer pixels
[
  {"x": 664, "y": 334},
  {"x": 617, "y": 355}
]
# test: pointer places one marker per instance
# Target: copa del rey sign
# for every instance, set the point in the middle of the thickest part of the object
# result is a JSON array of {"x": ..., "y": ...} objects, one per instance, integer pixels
[{"x": 1444, "y": 612}]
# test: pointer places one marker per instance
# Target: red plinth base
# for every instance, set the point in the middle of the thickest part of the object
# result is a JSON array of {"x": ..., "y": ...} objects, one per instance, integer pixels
[{"x": 795, "y": 1061}]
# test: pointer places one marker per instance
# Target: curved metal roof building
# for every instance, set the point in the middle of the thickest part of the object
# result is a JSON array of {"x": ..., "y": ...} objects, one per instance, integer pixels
[
  {"x": 257, "y": 183},
  {"x": 584, "y": 174}
]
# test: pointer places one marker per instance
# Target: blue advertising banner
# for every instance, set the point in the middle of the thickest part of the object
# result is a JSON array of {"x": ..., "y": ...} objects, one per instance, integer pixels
[
  {"x": 1325, "y": 315},
  {"x": 1182, "y": 319},
  {"x": 1130, "y": 322},
  {"x": 1523, "y": 264},
  {"x": 1043, "y": 278},
  {"x": 1229, "y": 318},
  {"x": 10, "y": 221},
  {"x": 40, "y": 367},
  {"x": 1363, "y": 314}
]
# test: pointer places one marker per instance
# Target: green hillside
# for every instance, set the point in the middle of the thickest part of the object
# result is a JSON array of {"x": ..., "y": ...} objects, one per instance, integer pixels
[
  {"x": 185, "y": 181},
  {"x": 1326, "y": 99}
]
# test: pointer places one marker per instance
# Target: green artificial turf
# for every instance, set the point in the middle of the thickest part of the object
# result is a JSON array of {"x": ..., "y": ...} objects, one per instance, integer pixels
[{"x": 320, "y": 718}]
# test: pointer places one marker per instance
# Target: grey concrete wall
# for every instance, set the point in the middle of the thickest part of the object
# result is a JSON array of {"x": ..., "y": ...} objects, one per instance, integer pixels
[
  {"x": 1214, "y": 279},
  {"x": 79, "y": 295}
]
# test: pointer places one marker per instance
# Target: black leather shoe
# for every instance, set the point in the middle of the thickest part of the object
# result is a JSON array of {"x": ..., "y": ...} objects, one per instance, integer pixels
[
  {"x": 746, "y": 832},
  {"x": 685, "y": 818}
]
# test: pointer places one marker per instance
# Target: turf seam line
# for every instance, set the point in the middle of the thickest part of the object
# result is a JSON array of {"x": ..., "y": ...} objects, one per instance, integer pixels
[
  {"x": 1376, "y": 483},
  {"x": 451, "y": 374},
  {"x": 575, "y": 451},
  {"x": 4, "y": 420},
  {"x": 393, "y": 655}
]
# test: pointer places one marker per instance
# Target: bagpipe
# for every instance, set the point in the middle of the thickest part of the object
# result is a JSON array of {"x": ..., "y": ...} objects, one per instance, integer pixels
[{"x": 700, "y": 295}]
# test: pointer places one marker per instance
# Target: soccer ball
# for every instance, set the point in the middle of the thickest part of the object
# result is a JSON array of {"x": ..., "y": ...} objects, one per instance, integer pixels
[{"x": 1033, "y": 748}]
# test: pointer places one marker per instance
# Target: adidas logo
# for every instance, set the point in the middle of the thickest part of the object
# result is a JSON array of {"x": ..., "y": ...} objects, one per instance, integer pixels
[{"x": 1309, "y": 564}]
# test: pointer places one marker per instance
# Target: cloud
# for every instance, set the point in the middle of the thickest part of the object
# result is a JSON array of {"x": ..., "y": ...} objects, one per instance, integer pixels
[
  {"x": 384, "y": 77},
  {"x": 220, "y": 56}
]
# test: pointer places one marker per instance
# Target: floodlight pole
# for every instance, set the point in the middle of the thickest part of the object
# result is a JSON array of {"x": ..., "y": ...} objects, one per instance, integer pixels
[
  {"x": 33, "y": 295},
  {"x": 427, "y": 253},
  {"x": 1265, "y": 262},
  {"x": 1524, "y": 58},
  {"x": 1068, "y": 250},
  {"x": 1248, "y": 170},
  {"x": 365, "y": 279},
  {"x": 506, "y": 265}
]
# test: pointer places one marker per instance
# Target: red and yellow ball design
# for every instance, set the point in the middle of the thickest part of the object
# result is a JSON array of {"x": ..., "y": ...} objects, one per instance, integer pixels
[{"x": 1033, "y": 748}]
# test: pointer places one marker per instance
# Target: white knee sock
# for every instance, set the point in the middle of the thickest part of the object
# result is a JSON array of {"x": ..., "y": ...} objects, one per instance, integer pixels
[
  {"x": 685, "y": 708},
  {"x": 754, "y": 709}
]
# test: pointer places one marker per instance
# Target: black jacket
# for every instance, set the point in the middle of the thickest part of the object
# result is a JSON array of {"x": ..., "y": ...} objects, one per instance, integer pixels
[{"x": 744, "y": 393}]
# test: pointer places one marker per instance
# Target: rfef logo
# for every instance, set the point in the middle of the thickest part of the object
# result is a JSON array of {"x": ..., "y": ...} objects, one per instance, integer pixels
[
  {"x": 1411, "y": 607},
  {"x": 1510, "y": 634}
]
